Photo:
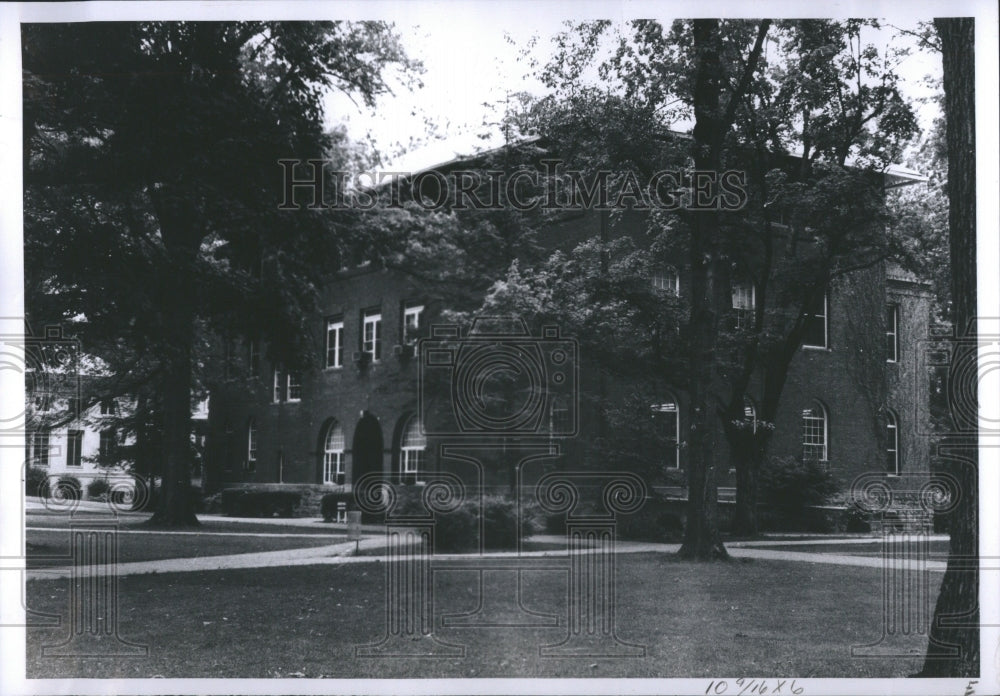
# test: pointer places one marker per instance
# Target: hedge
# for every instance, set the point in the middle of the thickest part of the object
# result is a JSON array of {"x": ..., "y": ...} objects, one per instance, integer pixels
[
  {"x": 242, "y": 502},
  {"x": 328, "y": 504}
]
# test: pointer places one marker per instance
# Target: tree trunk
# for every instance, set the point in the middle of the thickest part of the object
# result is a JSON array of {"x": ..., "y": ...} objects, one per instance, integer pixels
[
  {"x": 175, "y": 507},
  {"x": 701, "y": 533},
  {"x": 747, "y": 457},
  {"x": 956, "y": 615}
]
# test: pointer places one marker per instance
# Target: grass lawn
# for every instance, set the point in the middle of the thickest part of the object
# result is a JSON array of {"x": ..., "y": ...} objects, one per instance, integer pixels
[
  {"x": 938, "y": 550},
  {"x": 743, "y": 617},
  {"x": 208, "y": 524},
  {"x": 50, "y": 547}
]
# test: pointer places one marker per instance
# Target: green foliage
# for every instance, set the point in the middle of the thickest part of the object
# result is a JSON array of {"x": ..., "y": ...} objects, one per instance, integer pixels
[
  {"x": 459, "y": 530},
  {"x": 152, "y": 190},
  {"x": 329, "y": 502},
  {"x": 68, "y": 487},
  {"x": 243, "y": 502},
  {"x": 98, "y": 489},
  {"x": 36, "y": 482},
  {"x": 791, "y": 484},
  {"x": 658, "y": 520}
]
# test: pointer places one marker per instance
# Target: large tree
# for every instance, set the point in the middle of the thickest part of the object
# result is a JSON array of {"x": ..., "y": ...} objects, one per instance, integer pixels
[
  {"x": 956, "y": 615},
  {"x": 153, "y": 187},
  {"x": 798, "y": 102}
]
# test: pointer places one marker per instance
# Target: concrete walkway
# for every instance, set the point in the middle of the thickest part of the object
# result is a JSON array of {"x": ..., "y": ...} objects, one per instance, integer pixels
[{"x": 344, "y": 553}]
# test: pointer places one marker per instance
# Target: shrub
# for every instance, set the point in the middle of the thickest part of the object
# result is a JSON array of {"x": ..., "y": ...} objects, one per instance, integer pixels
[
  {"x": 328, "y": 504},
  {"x": 790, "y": 485},
  {"x": 149, "y": 503},
  {"x": 458, "y": 530},
  {"x": 36, "y": 482},
  {"x": 68, "y": 487},
  {"x": 238, "y": 502},
  {"x": 98, "y": 489},
  {"x": 658, "y": 520}
]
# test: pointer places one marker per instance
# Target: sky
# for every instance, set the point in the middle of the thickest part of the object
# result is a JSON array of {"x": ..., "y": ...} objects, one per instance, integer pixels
[{"x": 471, "y": 62}]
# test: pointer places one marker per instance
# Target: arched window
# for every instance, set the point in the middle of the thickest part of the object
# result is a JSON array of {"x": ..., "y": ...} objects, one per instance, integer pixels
[
  {"x": 252, "y": 445},
  {"x": 893, "y": 463},
  {"x": 668, "y": 415},
  {"x": 412, "y": 444},
  {"x": 815, "y": 441},
  {"x": 333, "y": 455}
]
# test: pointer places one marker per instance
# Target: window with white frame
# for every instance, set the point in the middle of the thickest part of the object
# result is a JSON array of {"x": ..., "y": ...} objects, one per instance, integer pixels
[
  {"x": 815, "y": 433},
  {"x": 893, "y": 465},
  {"x": 107, "y": 446},
  {"x": 750, "y": 413},
  {"x": 411, "y": 324},
  {"x": 744, "y": 302},
  {"x": 278, "y": 391},
  {"x": 74, "y": 449},
  {"x": 40, "y": 448},
  {"x": 667, "y": 280},
  {"x": 333, "y": 455},
  {"x": 107, "y": 407},
  {"x": 372, "y": 334},
  {"x": 294, "y": 391},
  {"x": 411, "y": 452},
  {"x": 816, "y": 325},
  {"x": 892, "y": 333},
  {"x": 668, "y": 415},
  {"x": 335, "y": 343},
  {"x": 251, "y": 445}
]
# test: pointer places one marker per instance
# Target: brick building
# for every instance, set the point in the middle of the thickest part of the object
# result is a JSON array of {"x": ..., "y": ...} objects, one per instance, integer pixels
[{"x": 357, "y": 411}]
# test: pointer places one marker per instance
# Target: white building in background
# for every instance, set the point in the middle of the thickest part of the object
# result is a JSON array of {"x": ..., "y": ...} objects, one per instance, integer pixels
[{"x": 78, "y": 449}]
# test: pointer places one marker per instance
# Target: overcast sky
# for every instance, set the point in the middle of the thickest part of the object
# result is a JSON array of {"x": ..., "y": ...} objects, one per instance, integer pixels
[{"x": 471, "y": 67}]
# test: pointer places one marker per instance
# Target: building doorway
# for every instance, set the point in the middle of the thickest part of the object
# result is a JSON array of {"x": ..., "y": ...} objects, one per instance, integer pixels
[{"x": 367, "y": 448}]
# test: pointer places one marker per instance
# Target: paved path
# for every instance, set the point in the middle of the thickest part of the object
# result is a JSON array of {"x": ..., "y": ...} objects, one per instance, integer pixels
[{"x": 344, "y": 553}]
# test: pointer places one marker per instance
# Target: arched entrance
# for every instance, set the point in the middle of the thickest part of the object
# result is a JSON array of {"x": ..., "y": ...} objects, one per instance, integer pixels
[{"x": 366, "y": 448}]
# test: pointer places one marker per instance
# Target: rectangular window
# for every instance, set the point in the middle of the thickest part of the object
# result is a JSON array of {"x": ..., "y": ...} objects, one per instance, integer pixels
[
  {"x": 816, "y": 324},
  {"x": 74, "y": 448},
  {"x": 40, "y": 448},
  {"x": 744, "y": 302},
  {"x": 252, "y": 447},
  {"x": 892, "y": 447},
  {"x": 372, "y": 343},
  {"x": 814, "y": 435},
  {"x": 278, "y": 390},
  {"x": 667, "y": 280},
  {"x": 333, "y": 467},
  {"x": 107, "y": 407},
  {"x": 411, "y": 324},
  {"x": 294, "y": 386},
  {"x": 667, "y": 416},
  {"x": 892, "y": 333},
  {"x": 108, "y": 445},
  {"x": 413, "y": 459},
  {"x": 335, "y": 343}
]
